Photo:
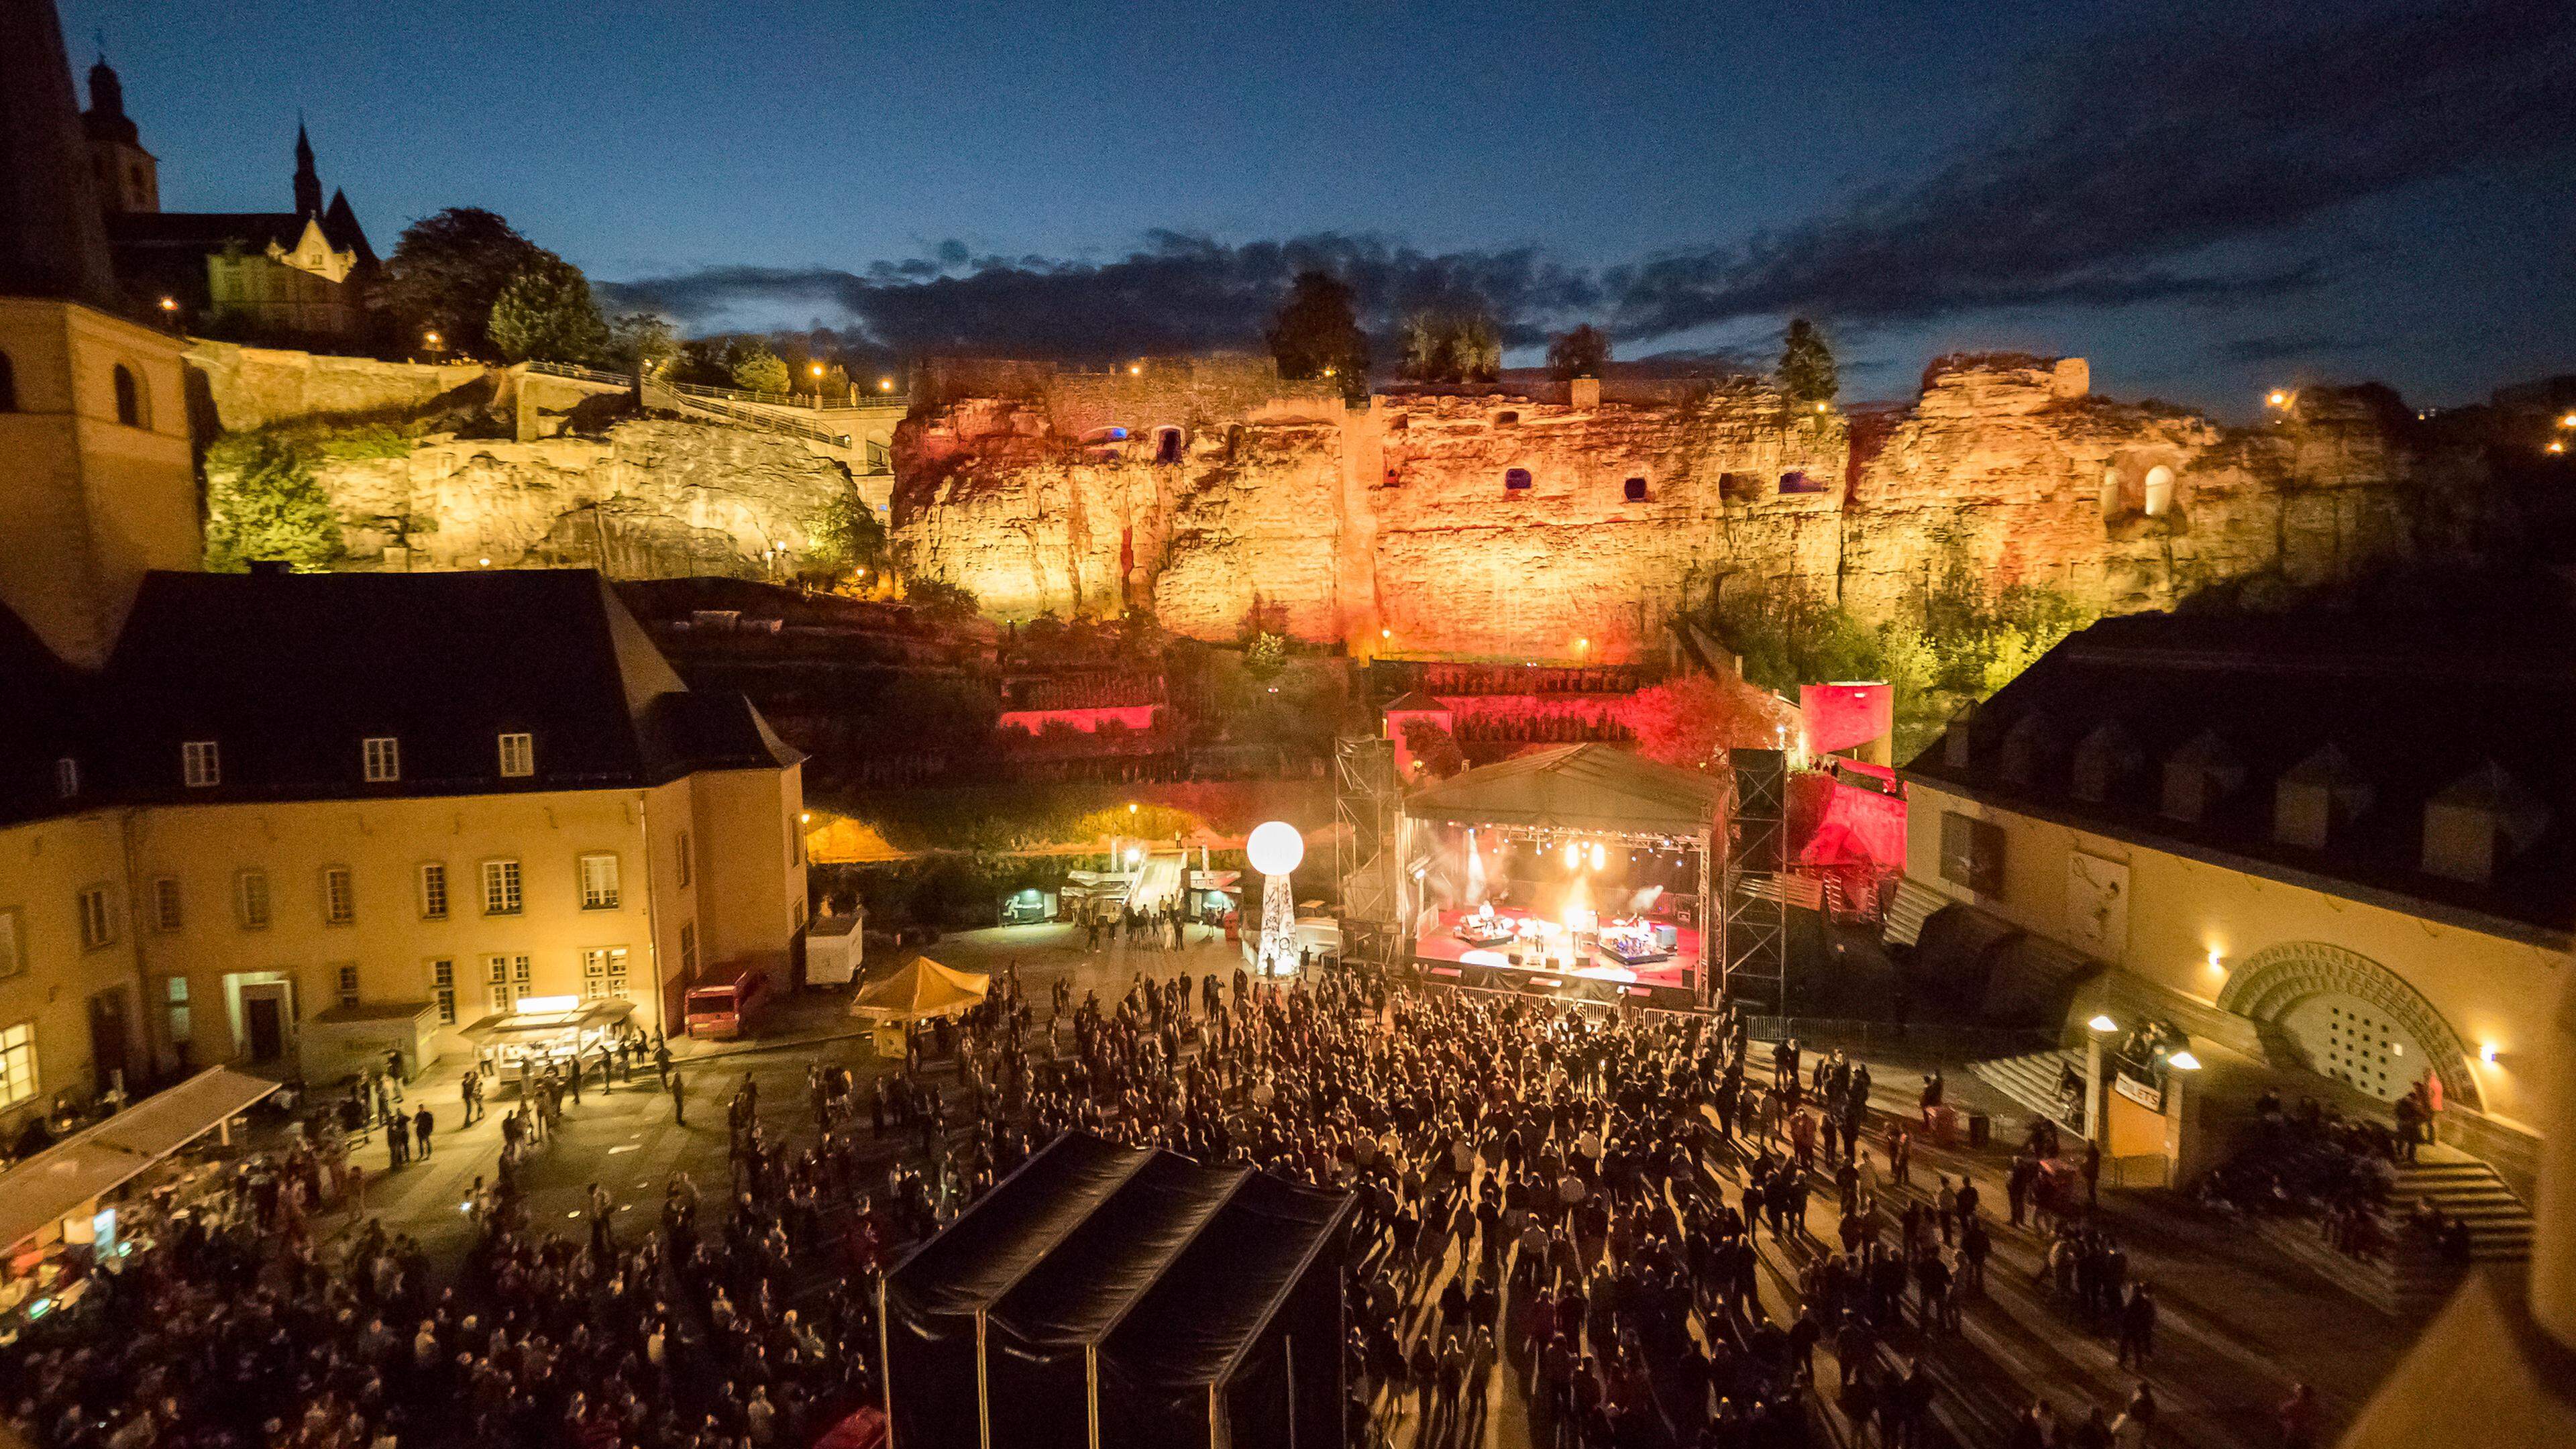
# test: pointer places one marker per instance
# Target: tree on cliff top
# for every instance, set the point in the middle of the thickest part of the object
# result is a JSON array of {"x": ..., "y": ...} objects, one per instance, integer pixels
[
  {"x": 1583, "y": 352},
  {"x": 757, "y": 369},
  {"x": 263, "y": 502},
  {"x": 546, "y": 314},
  {"x": 640, "y": 341},
  {"x": 449, "y": 269},
  {"x": 1444, "y": 346},
  {"x": 1807, "y": 372},
  {"x": 1317, "y": 334}
]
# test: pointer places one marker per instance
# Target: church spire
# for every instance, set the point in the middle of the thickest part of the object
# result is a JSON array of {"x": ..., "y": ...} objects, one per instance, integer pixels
[
  {"x": 53, "y": 240},
  {"x": 308, "y": 182}
]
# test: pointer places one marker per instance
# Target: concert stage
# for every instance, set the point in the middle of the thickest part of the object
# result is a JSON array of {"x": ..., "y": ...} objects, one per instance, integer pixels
[{"x": 1556, "y": 951}]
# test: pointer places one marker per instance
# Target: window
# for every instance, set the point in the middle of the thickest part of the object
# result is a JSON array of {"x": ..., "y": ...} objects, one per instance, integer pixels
[
  {"x": 250, "y": 899},
  {"x": 346, "y": 974},
  {"x": 1516, "y": 479},
  {"x": 599, "y": 882},
  {"x": 129, "y": 397},
  {"x": 97, "y": 922},
  {"x": 66, "y": 777},
  {"x": 500, "y": 887},
  {"x": 518, "y": 755},
  {"x": 1505, "y": 420},
  {"x": 688, "y": 950},
  {"x": 199, "y": 764},
  {"x": 684, "y": 858},
  {"x": 339, "y": 896},
  {"x": 433, "y": 890},
  {"x": 8, "y": 384},
  {"x": 442, "y": 989},
  {"x": 1167, "y": 446},
  {"x": 509, "y": 977},
  {"x": 13, "y": 955},
  {"x": 166, "y": 913},
  {"x": 2159, "y": 490},
  {"x": 17, "y": 1064},
  {"x": 383, "y": 754},
  {"x": 182, "y": 1023},
  {"x": 1972, "y": 853},
  {"x": 1636, "y": 490},
  {"x": 603, "y": 972},
  {"x": 1798, "y": 481}
]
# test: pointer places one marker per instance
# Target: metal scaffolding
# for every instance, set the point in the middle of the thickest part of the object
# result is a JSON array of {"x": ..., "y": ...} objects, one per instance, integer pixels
[
  {"x": 1754, "y": 903},
  {"x": 1368, "y": 807}
]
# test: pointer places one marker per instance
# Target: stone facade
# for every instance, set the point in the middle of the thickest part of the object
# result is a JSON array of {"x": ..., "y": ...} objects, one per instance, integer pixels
[{"x": 1554, "y": 525}]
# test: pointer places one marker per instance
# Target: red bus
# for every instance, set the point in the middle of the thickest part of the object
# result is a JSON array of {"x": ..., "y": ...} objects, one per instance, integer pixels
[{"x": 728, "y": 1002}]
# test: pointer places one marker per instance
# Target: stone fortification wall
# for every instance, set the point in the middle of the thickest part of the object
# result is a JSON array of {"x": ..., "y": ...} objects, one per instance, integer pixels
[
  {"x": 253, "y": 387},
  {"x": 1397, "y": 525}
]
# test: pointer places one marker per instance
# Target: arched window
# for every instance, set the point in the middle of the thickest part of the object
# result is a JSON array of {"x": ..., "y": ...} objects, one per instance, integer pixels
[
  {"x": 1516, "y": 479},
  {"x": 2159, "y": 491},
  {"x": 129, "y": 397},
  {"x": 8, "y": 385},
  {"x": 2110, "y": 493},
  {"x": 1167, "y": 446}
]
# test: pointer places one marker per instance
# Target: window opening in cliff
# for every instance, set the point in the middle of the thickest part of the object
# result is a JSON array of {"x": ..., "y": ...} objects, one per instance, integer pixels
[
  {"x": 1505, "y": 420},
  {"x": 8, "y": 385},
  {"x": 1636, "y": 490},
  {"x": 1394, "y": 475},
  {"x": 2159, "y": 490},
  {"x": 1233, "y": 440},
  {"x": 1516, "y": 479},
  {"x": 1739, "y": 487},
  {"x": 1796, "y": 481},
  {"x": 1167, "y": 445},
  {"x": 2110, "y": 493},
  {"x": 1398, "y": 423}
]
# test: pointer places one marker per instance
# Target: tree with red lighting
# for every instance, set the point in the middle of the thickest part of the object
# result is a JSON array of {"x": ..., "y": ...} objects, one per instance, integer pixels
[{"x": 1694, "y": 720}]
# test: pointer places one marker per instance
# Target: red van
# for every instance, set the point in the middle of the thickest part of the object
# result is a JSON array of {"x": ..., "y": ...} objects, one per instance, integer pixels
[{"x": 728, "y": 1003}]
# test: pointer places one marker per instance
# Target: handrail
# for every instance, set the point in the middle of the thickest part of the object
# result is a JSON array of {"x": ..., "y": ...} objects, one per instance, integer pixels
[
  {"x": 765, "y": 422},
  {"x": 585, "y": 374}
]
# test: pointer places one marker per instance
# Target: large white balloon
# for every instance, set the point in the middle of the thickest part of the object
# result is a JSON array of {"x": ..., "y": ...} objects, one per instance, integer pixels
[{"x": 1275, "y": 848}]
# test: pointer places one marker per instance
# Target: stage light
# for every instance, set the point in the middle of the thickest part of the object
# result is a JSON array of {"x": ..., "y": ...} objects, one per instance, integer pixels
[
  {"x": 1600, "y": 857},
  {"x": 1573, "y": 855}
]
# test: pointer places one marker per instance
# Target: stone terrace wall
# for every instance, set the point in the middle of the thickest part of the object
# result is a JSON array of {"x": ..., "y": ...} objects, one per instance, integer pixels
[{"x": 252, "y": 387}]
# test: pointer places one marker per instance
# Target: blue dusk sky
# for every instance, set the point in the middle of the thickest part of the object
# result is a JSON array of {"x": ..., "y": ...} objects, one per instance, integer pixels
[{"x": 2204, "y": 201}]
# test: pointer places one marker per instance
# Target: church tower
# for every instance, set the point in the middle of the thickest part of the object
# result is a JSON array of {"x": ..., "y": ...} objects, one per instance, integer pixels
[
  {"x": 129, "y": 177},
  {"x": 308, "y": 183},
  {"x": 97, "y": 483}
]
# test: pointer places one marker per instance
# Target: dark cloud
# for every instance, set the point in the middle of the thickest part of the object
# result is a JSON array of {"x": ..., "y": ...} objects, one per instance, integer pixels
[
  {"x": 2134, "y": 152},
  {"x": 2168, "y": 165},
  {"x": 2284, "y": 347}
]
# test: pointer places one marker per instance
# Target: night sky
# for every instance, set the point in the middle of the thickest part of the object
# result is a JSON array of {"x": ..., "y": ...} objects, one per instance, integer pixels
[{"x": 2203, "y": 201}]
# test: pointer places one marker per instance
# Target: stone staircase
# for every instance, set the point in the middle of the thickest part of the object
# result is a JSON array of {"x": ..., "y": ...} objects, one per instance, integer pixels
[{"x": 2031, "y": 1080}]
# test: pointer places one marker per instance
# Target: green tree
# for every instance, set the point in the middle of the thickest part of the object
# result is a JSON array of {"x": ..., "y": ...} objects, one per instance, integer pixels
[
  {"x": 547, "y": 314},
  {"x": 1583, "y": 352},
  {"x": 448, "y": 270},
  {"x": 1452, "y": 346},
  {"x": 757, "y": 369},
  {"x": 1265, "y": 655},
  {"x": 264, "y": 503},
  {"x": 1807, "y": 372},
  {"x": 1317, "y": 333},
  {"x": 846, "y": 537},
  {"x": 640, "y": 341},
  {"x": 1480, "y": 347},
  {"x": 940, "y": 599}
]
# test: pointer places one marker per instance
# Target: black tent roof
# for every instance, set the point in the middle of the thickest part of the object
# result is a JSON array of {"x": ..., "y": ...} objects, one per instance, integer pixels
[
  {"x": 1086, "y": 1285},
  {"x": 1208, "y": 1306},
  {"x": 981, "y": 1256}
]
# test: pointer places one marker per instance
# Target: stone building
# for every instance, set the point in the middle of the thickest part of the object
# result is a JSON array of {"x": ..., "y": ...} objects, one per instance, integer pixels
[{"x": 2333, "y": 851}]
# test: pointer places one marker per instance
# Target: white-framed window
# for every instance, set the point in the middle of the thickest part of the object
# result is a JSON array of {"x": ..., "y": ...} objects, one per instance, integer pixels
[
  {"x": 688, "y": 950},
  {"x": 684, "y": 859},
  {"x": 66, "y": 777},
  {"x": 500, "y": 887},
  {"x": 168, "y": 913},
  {"x": 13, "y": 944},
  {"x": 433, "y": 890},
  {"x": 382, "y": 755},
  {"x": 603, "y": 972},
  {"x": 175, "y": 1001},
  {"x": 345, "y": 974},
  {"x": 510, "y": 978},
  {"x": 339, "y": 896},
  {"x": 200, "y": 765},
  {"x": 250, "y": 899},
  {"x": 518, "y": 755},
  {"x": 97, "y": 919},
  {"x": 599, "y": 881},
  {"x": 442, "y": 988},
  {"x": 17, "y": 1063}
]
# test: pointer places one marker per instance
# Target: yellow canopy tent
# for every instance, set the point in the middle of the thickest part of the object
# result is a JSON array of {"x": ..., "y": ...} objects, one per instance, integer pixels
[{"x": 920, "y": 990}]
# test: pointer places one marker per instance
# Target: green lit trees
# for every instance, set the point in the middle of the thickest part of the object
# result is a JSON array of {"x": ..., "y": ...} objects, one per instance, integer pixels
[
  {"x": 1452, "y": 346},
  {"x": 546, "y": 314},
  {"x": 1807, "y": 372},
  {"x": 263, "y": 502},
  {"x": 448, "y": 271}
]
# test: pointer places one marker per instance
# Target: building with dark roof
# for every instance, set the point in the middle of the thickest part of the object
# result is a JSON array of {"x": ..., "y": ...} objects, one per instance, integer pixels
[{"x": 2332, "y": 843}]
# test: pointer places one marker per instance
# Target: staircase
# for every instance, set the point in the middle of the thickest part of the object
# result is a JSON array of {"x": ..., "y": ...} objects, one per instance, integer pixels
[
  {"x": 1914, "y": 904},
  {"x": 2031, "y": 1080},
  {"x": 2465, "y": 1188},
  {"x": 2411, "y": 1279},
  {"x": 1159, "y": 882}
]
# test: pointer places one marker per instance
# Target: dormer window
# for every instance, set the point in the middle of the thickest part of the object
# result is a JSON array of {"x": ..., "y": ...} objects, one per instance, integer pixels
[
  {"x": 2104, "y": 762},
  {"x": 2200, "y": 775},
  {"x": 200, "y": 766},
  {"x": 2317, "y": 799},
  {"x": 383, "y": 758},
  {"x": 2480, "y": 822},
  {"x": 66, "y": 777},
  {"x": 518, "y": 756},
  {"x": 2029, "y": 751},
  {"x": 1957, "y": 738}
]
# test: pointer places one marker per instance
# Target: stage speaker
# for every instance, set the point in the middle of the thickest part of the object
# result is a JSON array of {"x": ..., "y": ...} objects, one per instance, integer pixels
[{"x": 1672, "y": 998}]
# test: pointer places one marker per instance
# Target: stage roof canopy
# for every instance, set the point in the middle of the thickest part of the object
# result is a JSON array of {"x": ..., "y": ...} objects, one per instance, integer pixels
[{"x": 1578, "y": 788}]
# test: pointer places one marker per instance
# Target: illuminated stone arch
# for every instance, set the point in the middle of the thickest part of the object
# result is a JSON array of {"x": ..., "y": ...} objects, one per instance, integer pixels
[{"x": 2274, "y": 980}]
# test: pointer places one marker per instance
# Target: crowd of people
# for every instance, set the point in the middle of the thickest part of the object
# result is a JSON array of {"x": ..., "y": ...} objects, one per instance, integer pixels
[{"x": 1589, "y": 1204}]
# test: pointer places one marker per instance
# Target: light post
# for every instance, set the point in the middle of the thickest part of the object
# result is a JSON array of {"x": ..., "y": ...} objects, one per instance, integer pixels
[
  {"x": 1274, "y": 849},
  {"x": 816, "y": 369},
  {"x": 2099, "y": 1027}
]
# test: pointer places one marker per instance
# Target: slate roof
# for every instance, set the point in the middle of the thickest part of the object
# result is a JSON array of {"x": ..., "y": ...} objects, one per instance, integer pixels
[
  {"x": 38, "y": 724},
  {"x": 288, "y": 673},
  {"x": 2412, "y": 705}
]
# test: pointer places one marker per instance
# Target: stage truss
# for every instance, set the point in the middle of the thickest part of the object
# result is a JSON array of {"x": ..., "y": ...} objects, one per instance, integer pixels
[
  {"x": 1754, "y": 902},
  {"x": 1368, "y": 807}
]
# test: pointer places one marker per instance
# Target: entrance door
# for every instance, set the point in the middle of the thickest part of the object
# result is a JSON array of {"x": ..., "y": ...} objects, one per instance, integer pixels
[
  {"x": 108, "y": 1041},
  {"x": 265, "y": 1017},
  {"x": 2357, "y": 1044}
]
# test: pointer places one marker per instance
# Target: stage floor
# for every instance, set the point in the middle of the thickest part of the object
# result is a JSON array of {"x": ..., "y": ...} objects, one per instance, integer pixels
[{"x": 1598, "y": 965}]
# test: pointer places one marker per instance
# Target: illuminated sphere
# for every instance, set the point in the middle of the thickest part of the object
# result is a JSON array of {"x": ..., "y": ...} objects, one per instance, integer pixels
[{"x": 1275, "y": 848}]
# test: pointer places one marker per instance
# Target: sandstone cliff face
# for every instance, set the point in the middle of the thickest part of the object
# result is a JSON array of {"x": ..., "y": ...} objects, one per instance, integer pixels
[
  {"x": 649, "y": 499},
  {"x": 1504, "y": 527}
]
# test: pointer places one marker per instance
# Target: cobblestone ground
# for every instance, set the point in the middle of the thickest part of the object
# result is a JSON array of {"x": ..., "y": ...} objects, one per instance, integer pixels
[{"x": 2240, "y": 1325}]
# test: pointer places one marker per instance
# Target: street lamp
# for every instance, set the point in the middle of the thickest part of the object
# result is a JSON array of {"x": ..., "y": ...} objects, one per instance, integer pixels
[{"x": 1275, "y": 849}]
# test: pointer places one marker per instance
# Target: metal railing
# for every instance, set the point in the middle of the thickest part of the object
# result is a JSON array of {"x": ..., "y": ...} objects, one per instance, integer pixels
[
  {"x": 584, "y": 374},
  {"x": 810, "y": 401},
  {"x": 765, "y": 422}
]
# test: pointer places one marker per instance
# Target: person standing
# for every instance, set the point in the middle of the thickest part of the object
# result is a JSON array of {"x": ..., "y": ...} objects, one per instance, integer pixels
[
  {"x": 422, "y": 1123},
  {"x": 679, "y": 1101}
]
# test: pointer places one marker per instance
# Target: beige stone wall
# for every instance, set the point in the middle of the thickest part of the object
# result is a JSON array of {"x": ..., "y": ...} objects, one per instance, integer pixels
[
  {"x": 43, "y": 869},
  {"x": 252, "y": 387}
]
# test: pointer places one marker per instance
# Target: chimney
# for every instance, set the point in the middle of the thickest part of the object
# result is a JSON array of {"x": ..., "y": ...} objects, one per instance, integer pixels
[
  {"x": 1583, "y": 394},
  {"x": 2484, "y": 819}
]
